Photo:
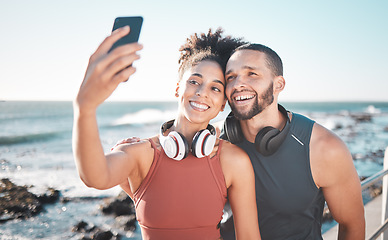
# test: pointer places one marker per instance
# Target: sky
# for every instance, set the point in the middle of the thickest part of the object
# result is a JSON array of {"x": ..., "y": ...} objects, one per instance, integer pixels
[{"x": 331, "y": 50}]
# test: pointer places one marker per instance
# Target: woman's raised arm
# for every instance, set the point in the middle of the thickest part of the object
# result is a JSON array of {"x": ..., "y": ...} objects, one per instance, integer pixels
[{"x": 104, "y": 73}]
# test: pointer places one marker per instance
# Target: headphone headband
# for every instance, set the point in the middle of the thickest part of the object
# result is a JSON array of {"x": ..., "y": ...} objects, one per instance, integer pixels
[{"x": 176, "y": 147}]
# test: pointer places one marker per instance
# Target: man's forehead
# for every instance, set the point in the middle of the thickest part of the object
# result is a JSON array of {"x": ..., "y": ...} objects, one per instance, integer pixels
[
  {"x": 245, "y": 59},
  {"x": 246, "y": 53}
]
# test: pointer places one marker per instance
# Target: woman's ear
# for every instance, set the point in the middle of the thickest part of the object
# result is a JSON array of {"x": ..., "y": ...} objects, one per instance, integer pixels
[
  {"x": 177, "y": 90},
  {"x": 223, "y": 105}
]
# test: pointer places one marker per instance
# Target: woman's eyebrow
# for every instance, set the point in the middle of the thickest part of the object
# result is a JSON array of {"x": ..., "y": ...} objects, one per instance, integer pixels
[
  {"x": 218, "y": 81},
  {"x": 197, "y": 75}
]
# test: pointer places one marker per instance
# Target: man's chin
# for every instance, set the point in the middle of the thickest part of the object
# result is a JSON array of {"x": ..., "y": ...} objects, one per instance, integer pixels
[{"x": 242, "y": 115}]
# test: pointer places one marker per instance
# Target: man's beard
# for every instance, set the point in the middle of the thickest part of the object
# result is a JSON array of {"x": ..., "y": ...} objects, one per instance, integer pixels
[{"x": 267, "y": 99}]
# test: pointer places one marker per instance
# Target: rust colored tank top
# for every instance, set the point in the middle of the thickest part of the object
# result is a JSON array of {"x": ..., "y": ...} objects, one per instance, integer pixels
[{"x": 181, "y": 199}]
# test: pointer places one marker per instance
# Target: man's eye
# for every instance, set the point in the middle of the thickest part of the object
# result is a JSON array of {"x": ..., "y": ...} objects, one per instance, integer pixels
[
  {"x": 230, "y": 78},
  {"x": 251, "y": 73}
]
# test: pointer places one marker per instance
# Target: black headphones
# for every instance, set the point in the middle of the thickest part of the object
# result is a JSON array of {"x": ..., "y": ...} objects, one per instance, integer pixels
[
  {"x": 267, "y": 140},
  {"x": 176, "y": 147}
]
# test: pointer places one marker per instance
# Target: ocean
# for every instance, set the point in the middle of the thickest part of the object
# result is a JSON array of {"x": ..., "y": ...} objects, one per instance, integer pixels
[{"x": 35, "y": 150}]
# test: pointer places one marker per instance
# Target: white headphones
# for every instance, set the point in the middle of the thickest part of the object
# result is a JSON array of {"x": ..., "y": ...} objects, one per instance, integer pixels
[{"x": 176, "y": 147}]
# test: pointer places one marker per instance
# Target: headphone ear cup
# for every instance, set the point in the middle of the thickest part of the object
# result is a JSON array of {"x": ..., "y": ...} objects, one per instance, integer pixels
[
  {"x": 175, "y": 146},
  {"x": 203, "y": 143},
  {"x": 263, "y": 138},
  {"x": 232, "y": 129}
]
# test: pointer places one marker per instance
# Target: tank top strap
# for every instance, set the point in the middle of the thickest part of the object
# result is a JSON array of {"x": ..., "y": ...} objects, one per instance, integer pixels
[
  {"x": 218, "y": 174},
  {"x": 219, "y": 148},
  {"x": 301, "y": 128},
  {"x": 146, "y": 181}
]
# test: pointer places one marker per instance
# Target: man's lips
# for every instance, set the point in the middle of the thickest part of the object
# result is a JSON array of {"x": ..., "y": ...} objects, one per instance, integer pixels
[{"x": 243, "y": 97}]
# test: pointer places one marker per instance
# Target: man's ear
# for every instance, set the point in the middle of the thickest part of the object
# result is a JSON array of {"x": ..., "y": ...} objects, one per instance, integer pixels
[{"x": 279, "y": 83}]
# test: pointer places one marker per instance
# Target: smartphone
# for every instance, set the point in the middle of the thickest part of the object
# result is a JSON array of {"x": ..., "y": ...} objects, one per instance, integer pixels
[{"x": 134, "y": 23}]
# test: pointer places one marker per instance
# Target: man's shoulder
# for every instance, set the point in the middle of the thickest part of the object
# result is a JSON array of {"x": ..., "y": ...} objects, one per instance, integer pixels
[
  {"x": 325, "y": 138},
  {"x": 327, "y": 148},
  {"x": 300, "y": 117}
]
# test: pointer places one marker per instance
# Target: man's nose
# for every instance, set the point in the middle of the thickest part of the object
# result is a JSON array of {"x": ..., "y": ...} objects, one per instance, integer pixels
[{"x": 238, "y": 82}]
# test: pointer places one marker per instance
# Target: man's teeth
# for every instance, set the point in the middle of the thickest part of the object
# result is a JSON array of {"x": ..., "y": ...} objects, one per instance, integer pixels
[
  {"x": 240, "y": 98},
  {"x": 201, "y": 106}
]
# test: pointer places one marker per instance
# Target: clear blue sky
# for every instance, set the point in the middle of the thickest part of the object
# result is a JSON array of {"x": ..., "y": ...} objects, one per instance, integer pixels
[{"x": 331, "y": 51}]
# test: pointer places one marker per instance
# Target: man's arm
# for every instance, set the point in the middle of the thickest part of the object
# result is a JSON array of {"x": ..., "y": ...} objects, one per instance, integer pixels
[{"x": 333, "y": 171}]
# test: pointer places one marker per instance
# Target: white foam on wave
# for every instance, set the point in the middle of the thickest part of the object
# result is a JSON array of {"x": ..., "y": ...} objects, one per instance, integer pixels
[
  {"x": 145, "y": 116},
  {"x": 372, "y": 110},
  {"x": 333, "y": 122}
]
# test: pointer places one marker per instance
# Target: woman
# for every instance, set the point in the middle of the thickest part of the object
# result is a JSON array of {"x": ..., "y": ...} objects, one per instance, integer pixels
[{"x": 178, "y": 193}]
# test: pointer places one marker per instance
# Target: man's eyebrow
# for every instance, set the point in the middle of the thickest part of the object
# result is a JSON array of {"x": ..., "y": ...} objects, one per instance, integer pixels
[
  {"x": 228, "y": 72},
  {"x": 244, "y": 67}
]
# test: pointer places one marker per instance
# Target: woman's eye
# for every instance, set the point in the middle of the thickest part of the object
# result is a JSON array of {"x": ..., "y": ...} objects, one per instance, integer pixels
[
  {"x": 216, "y": 89},
  {"x": 193, "y": 82},
  {"x": 251, "y": 73}
]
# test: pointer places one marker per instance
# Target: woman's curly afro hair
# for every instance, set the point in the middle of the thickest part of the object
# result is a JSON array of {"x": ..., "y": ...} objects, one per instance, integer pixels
[{"x": 210, "y": 46}]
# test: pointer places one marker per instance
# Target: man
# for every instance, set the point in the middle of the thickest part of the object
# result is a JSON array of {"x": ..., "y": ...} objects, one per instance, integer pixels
[{"x": 298, "y": 163}]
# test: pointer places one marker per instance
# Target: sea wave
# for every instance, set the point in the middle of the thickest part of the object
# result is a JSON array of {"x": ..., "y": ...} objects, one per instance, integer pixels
[
  {"x": 32, "y": 137},
  {"x": 372, "y": 110},
  {"x": 145, "y": 116}
]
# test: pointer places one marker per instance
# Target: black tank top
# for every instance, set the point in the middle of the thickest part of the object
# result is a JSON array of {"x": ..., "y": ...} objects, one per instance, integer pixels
[{"x": 289, "y": 204}]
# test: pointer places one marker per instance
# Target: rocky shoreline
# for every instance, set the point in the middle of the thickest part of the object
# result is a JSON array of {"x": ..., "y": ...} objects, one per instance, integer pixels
[{"x": 17, "y": 202}]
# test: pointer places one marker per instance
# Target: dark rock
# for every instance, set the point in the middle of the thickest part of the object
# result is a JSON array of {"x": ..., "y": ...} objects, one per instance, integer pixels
[
  {"x": 91, "y": 232},
  {"x": 51, "y": 196},
  {"x": 338, "y": 126},
  {"x": 17, "y": 201},
  {"x": 81, "y": 227},
  {"x": 121, "y": 205},
  {"x": 126, "y": 223},
  {"x": 362, "y": 117},
  {"x": 103, "y": 235},
  {"x": 375, "y": 190}
]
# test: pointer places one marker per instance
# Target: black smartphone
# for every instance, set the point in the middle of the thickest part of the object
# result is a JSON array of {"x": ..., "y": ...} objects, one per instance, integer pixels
[{"x": 134, "y": 23}]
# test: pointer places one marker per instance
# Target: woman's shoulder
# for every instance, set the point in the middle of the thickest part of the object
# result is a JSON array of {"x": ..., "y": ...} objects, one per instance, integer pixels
[
  {"x": 230, "y": 148},
  {"x": 233, "y": 155},
  {"x": 234, "y": 162}
]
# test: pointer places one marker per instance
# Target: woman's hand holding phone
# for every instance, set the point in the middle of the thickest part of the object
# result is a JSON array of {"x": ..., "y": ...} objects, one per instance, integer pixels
[{"x": 106, "y": 70}]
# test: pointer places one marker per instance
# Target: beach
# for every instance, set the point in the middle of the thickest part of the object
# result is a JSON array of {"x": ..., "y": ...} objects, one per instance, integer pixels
[{"x": 36, "y": 151}]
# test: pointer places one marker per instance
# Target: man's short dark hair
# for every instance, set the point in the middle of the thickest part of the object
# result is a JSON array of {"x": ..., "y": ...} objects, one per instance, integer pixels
[{"x": 273, "y": 60}]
